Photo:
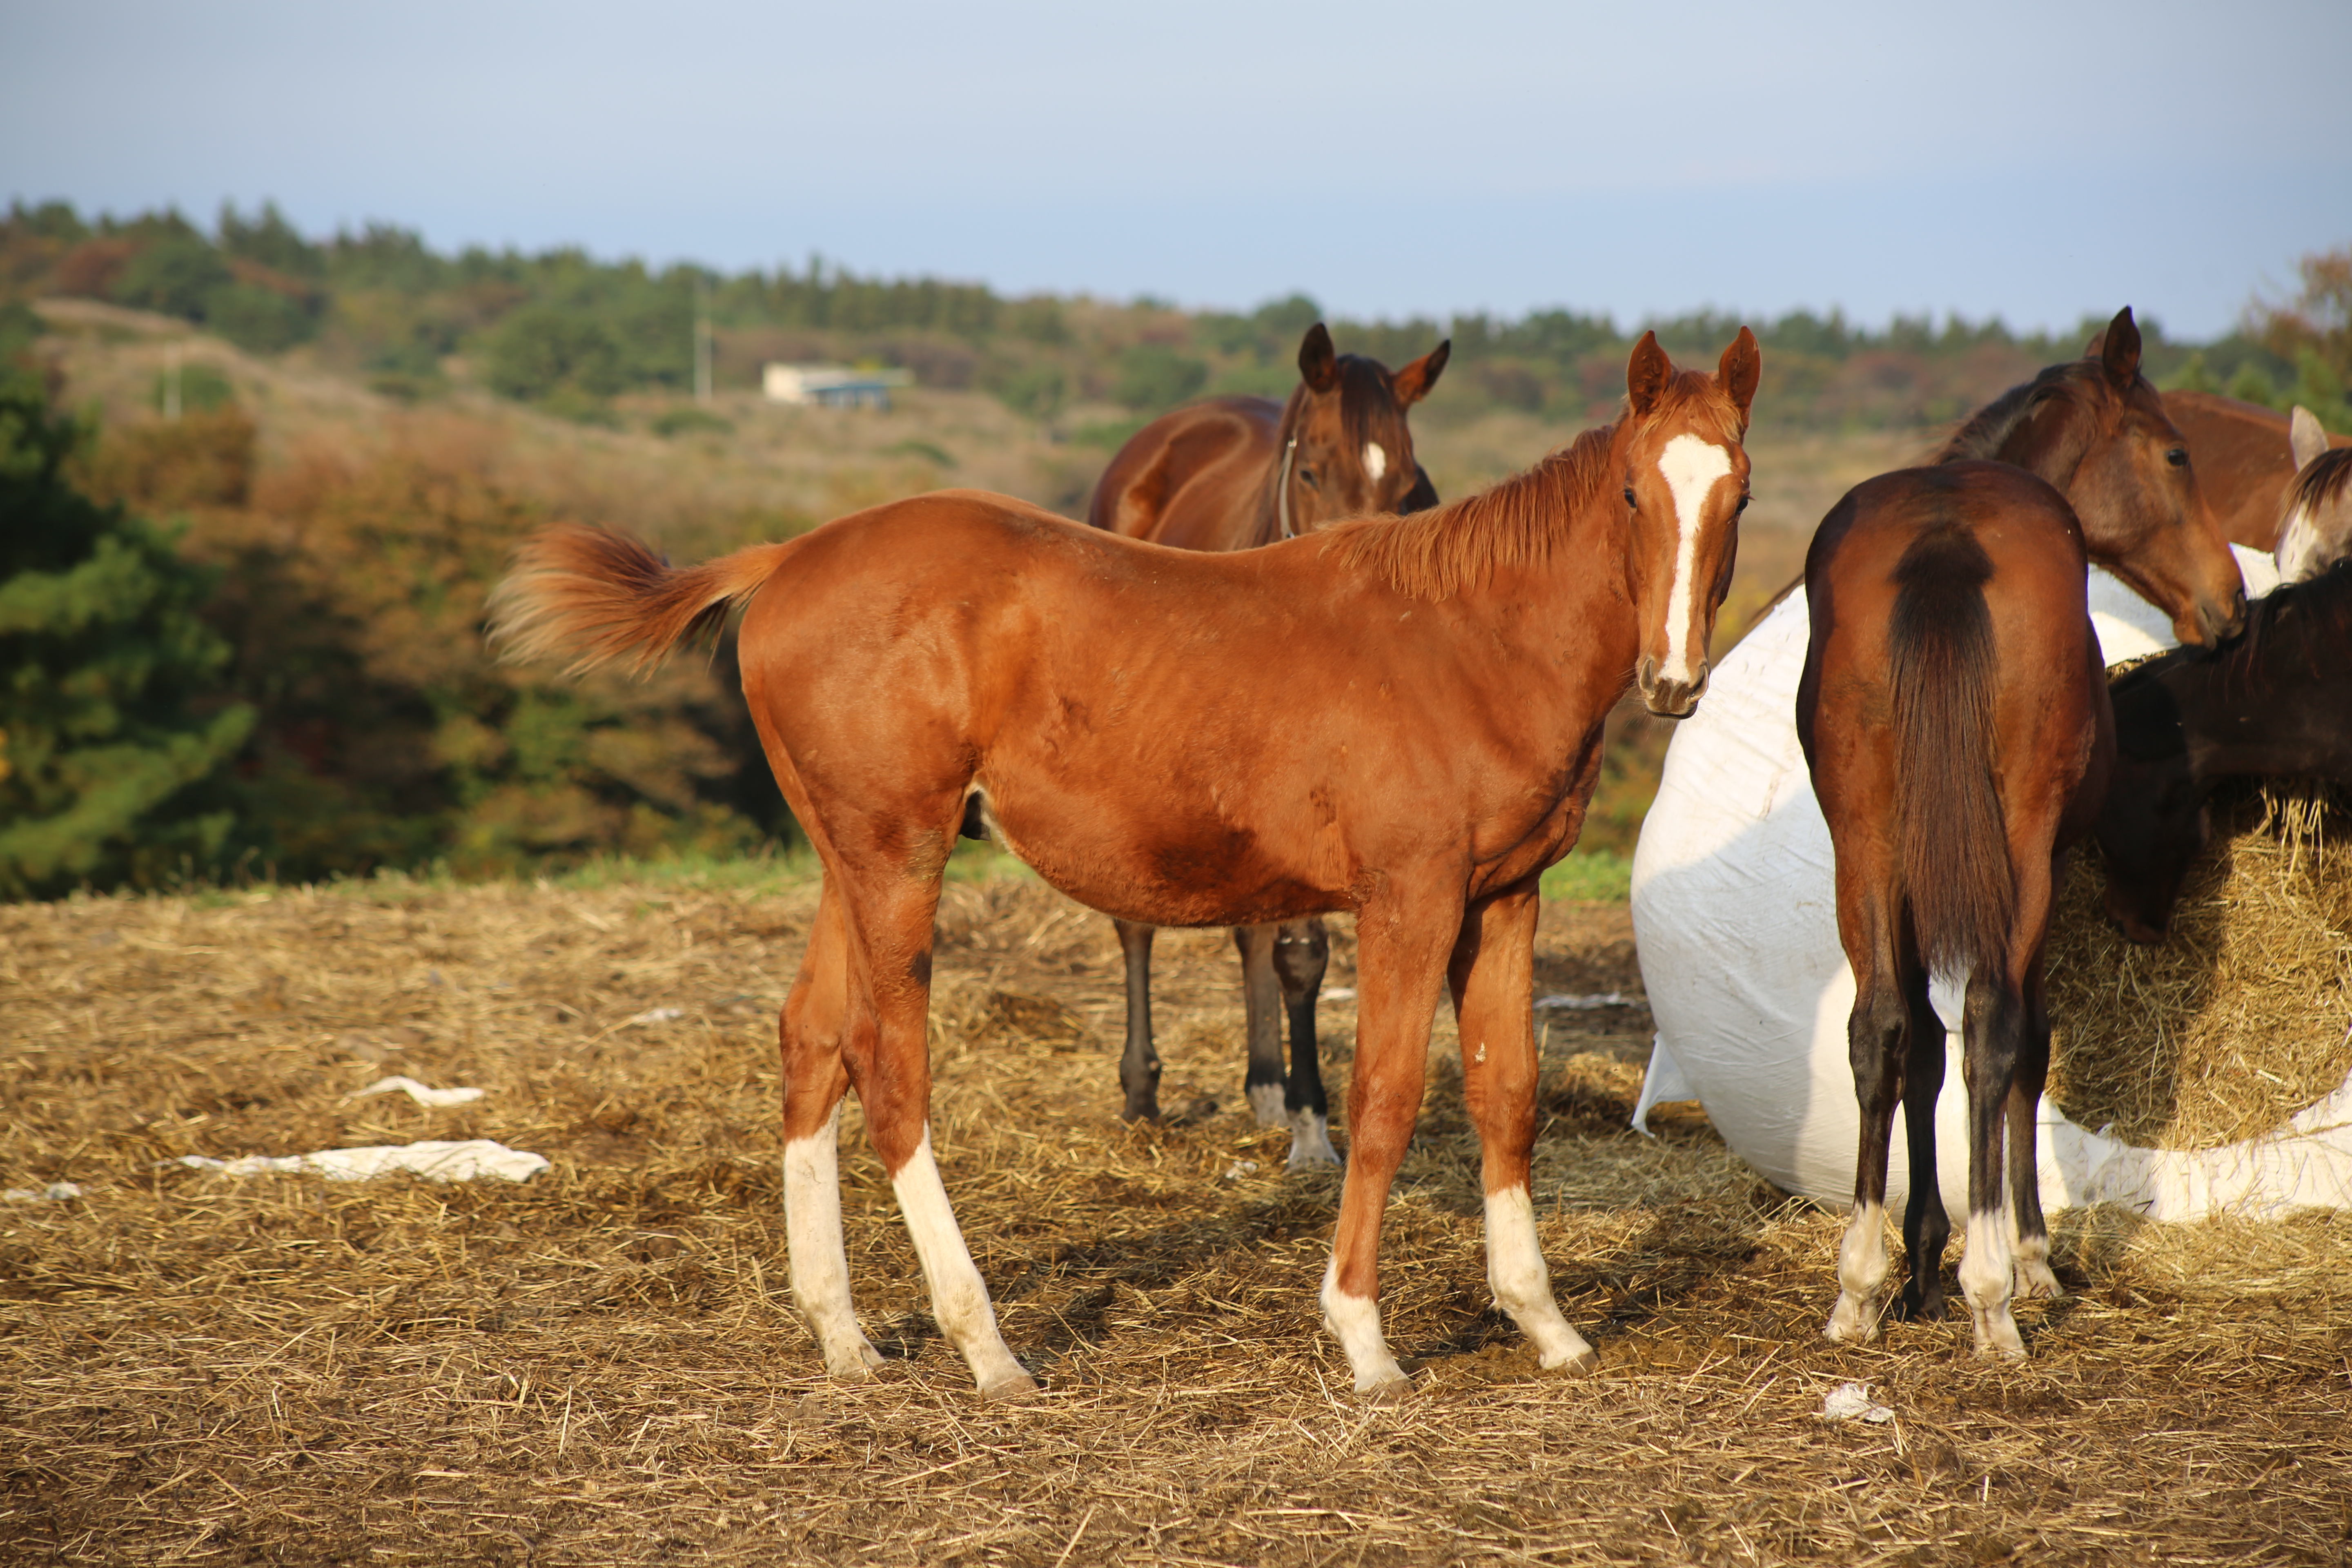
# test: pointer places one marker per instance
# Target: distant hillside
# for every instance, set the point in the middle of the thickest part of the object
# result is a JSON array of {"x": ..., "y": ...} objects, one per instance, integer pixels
[{"x": 569, "y": 332}]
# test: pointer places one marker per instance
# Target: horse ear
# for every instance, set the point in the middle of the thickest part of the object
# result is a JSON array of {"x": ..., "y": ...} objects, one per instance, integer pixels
[
  {"x": 1742, "y": 366},
  {"x": 2306, "y": 435},
  {"x": 1413, "y": 382},
  {"x": 1647, "y": 374},
  {"x": 2119, "y": 349},
  {"x": 1317, "y": 361}
]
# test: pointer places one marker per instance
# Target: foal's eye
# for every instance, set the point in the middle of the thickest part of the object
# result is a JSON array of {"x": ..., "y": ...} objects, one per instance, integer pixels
[
  {"x": 1307, "y": 477},
  {"x": 1630, "y": 500},
  {"x": 2177, "y": 457},
  {"x": 1741, "y": 507}
]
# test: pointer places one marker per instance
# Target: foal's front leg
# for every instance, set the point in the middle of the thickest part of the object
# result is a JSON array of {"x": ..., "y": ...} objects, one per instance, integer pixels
[
  {"x": 1262, "y": 1085},
  {"x": 1139, "y": 1064},
  {"x": 1493, "y": 976},
  {"x": 1399, "y": 959}
]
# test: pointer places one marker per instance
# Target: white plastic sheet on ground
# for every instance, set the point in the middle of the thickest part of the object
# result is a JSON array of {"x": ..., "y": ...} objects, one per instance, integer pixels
[
  {"x": 1735, "y": 916},
  {"x": 423, "y": 1094},
  {"x": 435, "y": 1160}
]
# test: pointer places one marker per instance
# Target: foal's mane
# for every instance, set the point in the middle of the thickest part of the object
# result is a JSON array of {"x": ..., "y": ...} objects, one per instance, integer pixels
[
  {"x": 1990, "y": 428},
  {"x": 1513, "y": 522}
]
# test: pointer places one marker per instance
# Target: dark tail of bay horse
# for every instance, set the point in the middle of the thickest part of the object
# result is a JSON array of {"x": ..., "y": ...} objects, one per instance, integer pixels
[{"x": 1942, "y": 668}]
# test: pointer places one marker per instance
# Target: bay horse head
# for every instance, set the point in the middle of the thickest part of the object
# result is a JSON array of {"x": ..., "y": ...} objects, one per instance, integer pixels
[
  {"x": 2095, "y": 428},
  {"x": 1346, "y": 448},
  {"x": 1683, "y": 485}
]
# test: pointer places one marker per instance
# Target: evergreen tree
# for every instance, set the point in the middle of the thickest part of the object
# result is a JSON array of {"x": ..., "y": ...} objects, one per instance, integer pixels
[{"x": 114, "y": 732}]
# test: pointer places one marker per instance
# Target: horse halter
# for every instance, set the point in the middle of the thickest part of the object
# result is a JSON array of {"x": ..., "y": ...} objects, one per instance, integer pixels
[{"x": 1281, "y": 488}]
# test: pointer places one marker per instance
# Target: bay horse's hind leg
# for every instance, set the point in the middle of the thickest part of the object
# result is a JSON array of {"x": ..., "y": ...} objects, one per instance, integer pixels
[
  {"x": 2029, "y": 1231},
  {"x": 886, "y": 1051},
  {"x": 810, "y": 1036},
  {"x": 1139, "y": 1064},
  {"x": 1927, "y": 1226},
  {"x": 1262, "y": 1012},
  {"x": 1302, "y": 952},
  {"x": 1876, "y": 1033},
  {"x": 1995, "y": 1035},
  {"x": 1491, "y": 974}
]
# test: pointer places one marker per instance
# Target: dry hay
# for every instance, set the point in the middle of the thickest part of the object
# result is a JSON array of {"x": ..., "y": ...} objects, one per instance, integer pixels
[
  {"x": 2243, "y": 1018},
  {"x": 600, "y": 1366}
]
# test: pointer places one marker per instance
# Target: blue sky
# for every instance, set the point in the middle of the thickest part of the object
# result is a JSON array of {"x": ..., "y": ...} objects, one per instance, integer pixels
[{"x": 2037, "y": 161}]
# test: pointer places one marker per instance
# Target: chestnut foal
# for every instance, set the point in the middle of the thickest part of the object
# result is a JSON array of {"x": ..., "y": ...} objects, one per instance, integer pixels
[{"x": 1099, "y": 700}]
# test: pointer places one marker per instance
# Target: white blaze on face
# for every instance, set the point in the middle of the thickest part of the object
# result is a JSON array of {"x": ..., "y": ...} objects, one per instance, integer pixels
[
  {"x": 1376, "y": 460},
  {"x": 1691, "y": 467}
]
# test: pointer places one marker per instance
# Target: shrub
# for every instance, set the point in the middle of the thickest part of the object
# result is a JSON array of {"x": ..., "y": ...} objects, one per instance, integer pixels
[
  {"x": 1153, "y": 376},
  {"x": 539, "y": 351}
]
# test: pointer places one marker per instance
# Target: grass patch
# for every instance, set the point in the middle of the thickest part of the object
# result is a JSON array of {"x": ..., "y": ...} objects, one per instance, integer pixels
[{"x": 1591, "y": 875}]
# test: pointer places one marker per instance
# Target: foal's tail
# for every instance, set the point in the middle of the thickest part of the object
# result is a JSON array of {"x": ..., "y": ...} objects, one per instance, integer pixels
[
  {"x": 599, "y": 597},
  {"x": 1954, "y": 846}
]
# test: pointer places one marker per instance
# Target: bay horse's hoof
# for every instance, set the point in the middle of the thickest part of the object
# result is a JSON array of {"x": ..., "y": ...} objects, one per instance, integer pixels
[
  {"x": 1018, "y": 1390},
  {"x": 2036, "y": 1283}
]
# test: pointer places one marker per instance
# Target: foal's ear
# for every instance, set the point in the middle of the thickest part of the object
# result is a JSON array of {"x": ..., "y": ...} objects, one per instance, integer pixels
[
  {"x": 1647, "y": 374},
  {"x": 1317, "y": 361},
  {"x": 1413, "y": 382},
  {"x": 2119, "y": 349},
  {"x": 1742, "y": 366},
  {"x": 2306, "y": 435}
]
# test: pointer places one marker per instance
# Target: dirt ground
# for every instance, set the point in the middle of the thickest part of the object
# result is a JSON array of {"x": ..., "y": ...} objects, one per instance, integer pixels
[{"x": 601, "y": 1365}]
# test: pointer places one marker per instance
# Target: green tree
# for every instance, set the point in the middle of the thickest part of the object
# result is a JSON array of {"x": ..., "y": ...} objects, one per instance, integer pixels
[
  {"x": 539, "y": 351},
  {"x": 114, "y": 732},
  {"x": 1153, "y": 376},
  {"x": 176, "y": 275}
]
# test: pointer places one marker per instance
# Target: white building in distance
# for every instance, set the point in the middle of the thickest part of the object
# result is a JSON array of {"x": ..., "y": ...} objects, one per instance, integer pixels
[{"x": 832, "y": 385}]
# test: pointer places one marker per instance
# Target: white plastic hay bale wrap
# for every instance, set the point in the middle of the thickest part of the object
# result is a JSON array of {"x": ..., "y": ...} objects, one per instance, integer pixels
[{"x": 1735, "y": 915}]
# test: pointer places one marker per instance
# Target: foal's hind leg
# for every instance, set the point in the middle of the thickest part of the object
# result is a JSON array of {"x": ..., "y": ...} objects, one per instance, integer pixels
[
  {"x": 888, "y": 1055},
  {"x": 810, "y": 1034},
  {"x": 1302, "y": 951},
  {"x": 1492, "y": 973},
  {"x": 1262, "y": 1011},
  {"x": 1139, "y": 1064}
]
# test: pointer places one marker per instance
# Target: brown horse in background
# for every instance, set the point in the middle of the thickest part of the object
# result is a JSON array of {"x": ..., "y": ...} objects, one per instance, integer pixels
[
  {"x": 1229, "y": 474},
  {"x": 1431, "y": 749},
  {"x": 1953, "y": 714},
  {"x": 2245, "y": 456},
  {"x": 2094, "y": 428}
]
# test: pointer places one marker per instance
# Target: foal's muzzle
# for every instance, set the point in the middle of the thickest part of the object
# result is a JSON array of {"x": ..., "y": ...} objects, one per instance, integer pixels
[{"x": 1670, "y": 698}]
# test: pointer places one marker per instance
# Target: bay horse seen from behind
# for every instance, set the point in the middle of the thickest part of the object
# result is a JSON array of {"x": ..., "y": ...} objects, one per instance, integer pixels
[
  {"x": 1232, "y": 473},
  {"x": 1431, "y": 753},
  {"x": 1953, "y": 714}
]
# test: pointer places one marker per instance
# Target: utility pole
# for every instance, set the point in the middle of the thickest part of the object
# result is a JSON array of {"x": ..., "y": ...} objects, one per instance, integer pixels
[{"x": 702, "y": 344}]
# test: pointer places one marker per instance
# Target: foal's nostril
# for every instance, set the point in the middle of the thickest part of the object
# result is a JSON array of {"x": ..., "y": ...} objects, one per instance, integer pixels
[{"x": 1648, "y": 672}]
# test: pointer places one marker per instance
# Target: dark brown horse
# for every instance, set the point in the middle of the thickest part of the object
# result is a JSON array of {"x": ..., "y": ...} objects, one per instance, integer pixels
[
  {"x": 1229, "y": 474},
  {"x": 1954, "y": 713},
  {"x": 2276, "y": 702},
  {"x": 1430, "y": 749},
  {"x": 2096, "y": 429},
  {"x": 2245, "y": 459}
]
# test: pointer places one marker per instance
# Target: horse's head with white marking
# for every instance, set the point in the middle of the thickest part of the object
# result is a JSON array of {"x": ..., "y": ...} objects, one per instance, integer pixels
[
  {"x": 1346, "y": 448},
  {"x": 1685, "y": 483},
  {"x": 2316, "y": 514}
]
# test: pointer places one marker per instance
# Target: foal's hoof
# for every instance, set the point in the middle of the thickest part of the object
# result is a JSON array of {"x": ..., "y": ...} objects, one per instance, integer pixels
[
  {"x": 1395, "y": 1391},
  {"x": 858, "y": 1364},
  {"x": 1018, "y": 1389},
  {"x": 1582, "y": 1364}
]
